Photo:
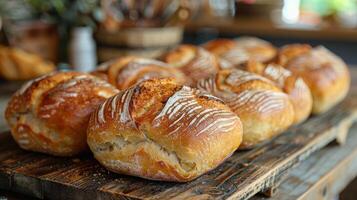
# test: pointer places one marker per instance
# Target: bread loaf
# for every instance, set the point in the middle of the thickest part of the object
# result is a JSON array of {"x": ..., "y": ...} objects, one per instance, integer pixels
[
  {"x": 325, "y": 73},
  {"x": 160, "y": 130},
  {"x": 127, "y": 71},
  {"x": 239, "y": 51},
  {"x": 263, "y": 108},
  {"x": 16, "y": 64},
  {"x": 291, "y": 84},
  {"x": 50, "y": 114},
  {"x": 258, "y": 49},
  {"x": 195, "y": 62}
]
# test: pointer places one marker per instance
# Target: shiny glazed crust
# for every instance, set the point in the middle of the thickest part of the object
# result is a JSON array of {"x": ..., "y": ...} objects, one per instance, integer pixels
[
  {"x": 263, "y": 108},
  {"x": 293, "y": 85},
  {"x": 195, "y": 62},
  {"x": 325, "y": 73},
  {"x": 127, "y": 71},
  {"x": 50, "y": 114},
  {"x": 160, "y": 130}
]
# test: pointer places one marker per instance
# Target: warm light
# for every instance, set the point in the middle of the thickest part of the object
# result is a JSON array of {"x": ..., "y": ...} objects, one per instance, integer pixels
[{"x": 291, "y": 10}]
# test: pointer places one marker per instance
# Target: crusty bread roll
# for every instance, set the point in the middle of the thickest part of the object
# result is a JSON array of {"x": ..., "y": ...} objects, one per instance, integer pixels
[
  {"x": 195, "y": 62},
  {"x": 16, "y": 64},
  {"x": 160, "y": 130},
  {"x": 228, "y": 50},
  {"x": 293, "y": 85},
  {"x": 129, "y": 70},
  {"x": 288, "y": 52},
  {"x": 258, "y": 49},
  {"x": 325, "y": 73},
  {"x": 240, "y": 50},
  {"x": 50, "y": 114},
  {"x": 263, "y": 108}
]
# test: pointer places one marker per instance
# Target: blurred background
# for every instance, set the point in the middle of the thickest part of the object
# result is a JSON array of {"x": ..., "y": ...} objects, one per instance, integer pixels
[{"x": 82, "y": 33}]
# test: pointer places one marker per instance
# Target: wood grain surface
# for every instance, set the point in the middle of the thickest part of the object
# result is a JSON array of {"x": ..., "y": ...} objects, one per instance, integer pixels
[
  {"x": 240, "y": 177},
  {"x": 323, "y": 175}
]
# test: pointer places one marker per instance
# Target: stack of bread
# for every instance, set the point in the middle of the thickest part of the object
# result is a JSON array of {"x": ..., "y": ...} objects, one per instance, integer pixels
[{"x": 180, "y": 117}]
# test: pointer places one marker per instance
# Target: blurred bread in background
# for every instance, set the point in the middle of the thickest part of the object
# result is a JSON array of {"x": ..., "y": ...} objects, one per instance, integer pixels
[{"x": 16, "y": 64}]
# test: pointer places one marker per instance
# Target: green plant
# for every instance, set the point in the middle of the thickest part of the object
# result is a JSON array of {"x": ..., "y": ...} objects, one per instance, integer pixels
[
  {"x": 67, "y": 13},
  {"x": 70, "y": 12}
]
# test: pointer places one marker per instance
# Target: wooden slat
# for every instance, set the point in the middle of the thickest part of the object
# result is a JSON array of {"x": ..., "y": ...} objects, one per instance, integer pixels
[
  {"x": 240, "y": 177},
  {"x": 323, "y": 175}
]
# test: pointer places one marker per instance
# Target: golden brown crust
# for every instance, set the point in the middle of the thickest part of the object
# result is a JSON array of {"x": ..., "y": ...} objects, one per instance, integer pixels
[
  {"x": 129, "y": 70},
  {"x": 325, "y": 73},
  {"x": 258, "y": 49},
  {"x": 16, "y": 64},
  {"x": 227, "y": 50},
  {"x": 291, "y": 51},
  {"x": 195, "y": 62},
  {"x": 291, "y": 84},
  {"x": 220, "y": 46},
  {"x": 160, "y": 130},
  {"x": 242, "y": 50},
  {"x": 50, "y": 114},
  {"x": 264, "y": 110}
]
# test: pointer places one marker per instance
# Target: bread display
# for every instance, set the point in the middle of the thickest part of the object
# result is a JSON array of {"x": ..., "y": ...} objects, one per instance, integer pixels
[
  {"x": 291, "y": 84},
  {"x": 195, "y": 62},
  {"x": 161, "y": 130},
  {"x": 263, "y": 108},
  {"x": 178, "y": 117},
  {"x": 239, "y": 51},
  {"x": 16, "y": 64},
  {"x": 50, "y": 114},
  {"x": 325, "y": 73},
  {"x": 127, "y": 71}
]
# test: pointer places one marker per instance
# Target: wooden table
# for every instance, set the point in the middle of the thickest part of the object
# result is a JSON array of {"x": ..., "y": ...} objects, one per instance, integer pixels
[{"x": 324, "y": 174}]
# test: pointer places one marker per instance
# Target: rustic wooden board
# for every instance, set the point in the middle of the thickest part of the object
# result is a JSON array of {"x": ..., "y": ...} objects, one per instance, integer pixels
[
  {"x": 240, "y": 177},
  {"x": 323, "y": 175}
]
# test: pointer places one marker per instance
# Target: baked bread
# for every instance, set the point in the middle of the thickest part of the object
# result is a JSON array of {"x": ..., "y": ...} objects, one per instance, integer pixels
[
  {"x": 50, "y": 114},
  {"x": 288, "y": 52},
  {"x": 258, "y": 49},
  {"x": 325, "y": 73},
  {"x": 228, "y": 50},
  {"x": 291, "y": 84},
  {"x": 16, "y": 64},
  {"x": 160, "y": 130},
  {"x": 129, "y": 70},
  {"x": 263, "y": 108},
  {"x": 195, "y": 62},
  {"x": 241, "y": 50}
]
